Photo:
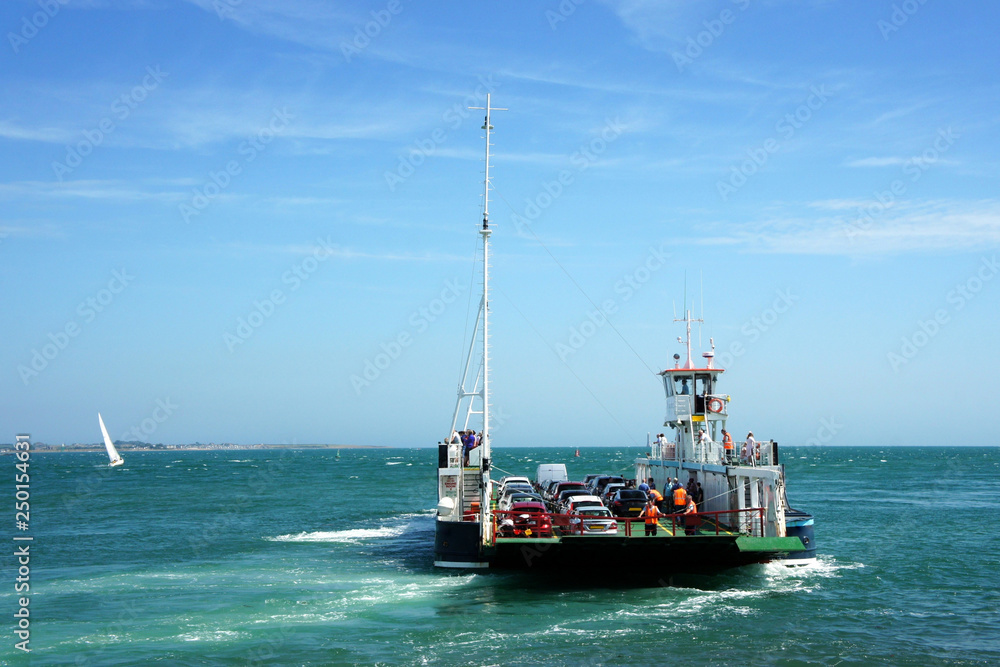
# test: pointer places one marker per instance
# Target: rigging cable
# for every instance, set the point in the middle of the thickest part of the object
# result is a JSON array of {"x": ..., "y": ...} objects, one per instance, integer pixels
[
  {"x": 577, "y": 285},
  {"x": 579, "y": 379}
]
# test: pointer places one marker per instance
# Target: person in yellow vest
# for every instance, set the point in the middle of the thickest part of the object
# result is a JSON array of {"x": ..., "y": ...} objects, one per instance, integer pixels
[
  {"x": 651, "y": 514},
  {"x": 680, "y": 499},
  {"x": 727, "y": 444},
  {"x": 691, "y": 518}
]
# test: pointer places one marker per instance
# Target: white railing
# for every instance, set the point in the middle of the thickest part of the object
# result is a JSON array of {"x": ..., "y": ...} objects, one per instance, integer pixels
[
  {"x": 666, "y": 452},
  {"x": 708, "y": 452}
]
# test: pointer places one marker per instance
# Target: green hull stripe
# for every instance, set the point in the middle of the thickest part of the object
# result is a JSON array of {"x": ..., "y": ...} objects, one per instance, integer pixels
[{"x": 746, "y": 543}]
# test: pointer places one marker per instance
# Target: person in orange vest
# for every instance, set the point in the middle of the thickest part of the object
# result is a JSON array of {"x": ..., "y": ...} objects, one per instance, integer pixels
[
  {"x": 691, "y": 519},
  {"x": 680, "y": 499},
  {"x": 727, "y": 444},
  {"x": 651, "y": 514},
  {"x": 656, "y": 497}
]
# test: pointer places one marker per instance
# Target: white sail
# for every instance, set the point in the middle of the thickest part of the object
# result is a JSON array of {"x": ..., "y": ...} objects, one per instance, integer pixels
[{"x": 116, "y": 459}]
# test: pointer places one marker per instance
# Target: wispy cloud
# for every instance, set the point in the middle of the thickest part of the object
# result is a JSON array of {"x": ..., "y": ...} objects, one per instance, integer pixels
[
  {"x": 329, "y": 249},
  {"x": 877, "y": 162},
  {"x": 907, "y": 227},
  {"x": 55, "y": 135},
  {"x": 87, "y": 189}
]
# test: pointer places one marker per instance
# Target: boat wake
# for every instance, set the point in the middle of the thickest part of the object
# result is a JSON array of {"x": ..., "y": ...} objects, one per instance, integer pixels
[
  {"x": 352, "y": 536},
  {"x": 824, "y": 567}
]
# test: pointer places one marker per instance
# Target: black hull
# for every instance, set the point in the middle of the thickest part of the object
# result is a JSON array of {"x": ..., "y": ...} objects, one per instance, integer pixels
[
  {"x": 664, "y": 556},
  {"x": 457, "y": 545}
]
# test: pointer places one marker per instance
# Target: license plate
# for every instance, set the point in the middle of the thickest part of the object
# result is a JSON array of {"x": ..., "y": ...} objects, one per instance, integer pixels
[{"x": 593, "y": 527}]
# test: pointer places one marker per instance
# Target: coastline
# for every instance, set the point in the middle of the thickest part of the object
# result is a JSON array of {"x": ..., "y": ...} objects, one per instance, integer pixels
[{"x": 42, "y": 448}]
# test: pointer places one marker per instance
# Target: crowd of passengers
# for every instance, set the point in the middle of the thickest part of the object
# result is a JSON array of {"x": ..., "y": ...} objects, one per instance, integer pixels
[{"x": 611, "y": 494}]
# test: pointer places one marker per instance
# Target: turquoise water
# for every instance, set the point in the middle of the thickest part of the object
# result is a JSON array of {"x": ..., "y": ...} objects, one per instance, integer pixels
[{"x": 297, "y": 558}]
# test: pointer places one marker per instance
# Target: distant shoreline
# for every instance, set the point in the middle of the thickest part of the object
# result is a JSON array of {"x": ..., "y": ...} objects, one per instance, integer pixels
[{"x": 42, "y": 448}]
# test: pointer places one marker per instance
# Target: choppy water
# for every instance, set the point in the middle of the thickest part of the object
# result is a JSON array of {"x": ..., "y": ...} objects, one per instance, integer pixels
[{"x": 297, "y": 558}]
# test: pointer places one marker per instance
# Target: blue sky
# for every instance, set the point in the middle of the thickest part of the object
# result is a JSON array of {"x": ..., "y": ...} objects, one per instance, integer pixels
[{"x": 216, "y": 212}]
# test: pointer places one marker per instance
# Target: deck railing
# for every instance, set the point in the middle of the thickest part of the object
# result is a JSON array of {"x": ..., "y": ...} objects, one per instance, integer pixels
[{"x": 749, "y": 521}]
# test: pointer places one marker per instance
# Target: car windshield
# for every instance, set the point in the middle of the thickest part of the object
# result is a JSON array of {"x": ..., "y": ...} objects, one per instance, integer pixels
[
  {"x": 527, "y": 507},
  {"x": 631, "y": 495}
]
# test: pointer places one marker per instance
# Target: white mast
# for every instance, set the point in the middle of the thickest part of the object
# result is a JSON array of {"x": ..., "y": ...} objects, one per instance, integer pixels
[
  {"x": 486, "y": 231},
  {"x": 688, "y": 320},
  {"x": 484, "y": 505}
]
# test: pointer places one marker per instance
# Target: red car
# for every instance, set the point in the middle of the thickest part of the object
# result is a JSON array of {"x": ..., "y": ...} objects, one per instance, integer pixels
[{"x": 527, "y": 519}]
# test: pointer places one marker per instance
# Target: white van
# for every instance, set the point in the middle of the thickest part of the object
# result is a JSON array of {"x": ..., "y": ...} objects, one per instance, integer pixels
[{"x": 550, "y": 472}]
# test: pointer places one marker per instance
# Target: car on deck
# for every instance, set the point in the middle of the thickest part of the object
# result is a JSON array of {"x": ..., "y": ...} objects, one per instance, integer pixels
[
  {"x": 577, "y": 503},
  {"x": 627, "y": 502},
  {"x": 610, "y": 490},
  {"x": 565, "y": 486},
  {"x": 513, "y": 479},
  {"x": 516, "y": 496},
  {"x": 592, "y": 521},
  {"x": 525, "y": 519},
  {"x": 562, "y": 500},
  {"x": 597, "y": 485}
]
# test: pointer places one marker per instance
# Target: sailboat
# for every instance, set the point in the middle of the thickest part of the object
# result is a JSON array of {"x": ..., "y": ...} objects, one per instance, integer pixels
[{"x": 116, "y": 458}]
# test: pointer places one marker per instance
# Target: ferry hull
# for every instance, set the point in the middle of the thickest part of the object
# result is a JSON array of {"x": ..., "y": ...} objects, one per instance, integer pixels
[
  {"x": 659, "y": 556},
  {"x": 457, "y": 545},
  {"x": 799, "y": 524}
]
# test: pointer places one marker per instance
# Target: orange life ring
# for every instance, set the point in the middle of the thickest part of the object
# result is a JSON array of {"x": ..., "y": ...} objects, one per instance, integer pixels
[{"x": 715, "y": 405}]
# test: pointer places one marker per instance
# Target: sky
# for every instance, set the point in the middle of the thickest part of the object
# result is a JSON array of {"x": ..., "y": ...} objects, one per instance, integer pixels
[{"x": 255, "y": 221}]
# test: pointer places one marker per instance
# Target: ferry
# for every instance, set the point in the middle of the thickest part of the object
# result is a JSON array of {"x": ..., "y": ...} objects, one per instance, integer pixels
[{"x": 743, "y": 517}]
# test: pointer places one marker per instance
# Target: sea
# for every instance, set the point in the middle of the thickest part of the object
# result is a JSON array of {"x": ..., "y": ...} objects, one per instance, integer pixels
[{"x": 304, "y": 557}]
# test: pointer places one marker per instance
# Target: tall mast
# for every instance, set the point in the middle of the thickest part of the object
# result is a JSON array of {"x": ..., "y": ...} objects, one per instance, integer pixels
[
  {"x": 484, "y": 507},
  {"x": 485, "y": 232}
]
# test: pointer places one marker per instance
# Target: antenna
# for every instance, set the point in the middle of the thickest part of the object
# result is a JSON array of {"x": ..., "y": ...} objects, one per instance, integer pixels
[
  {"x": 486, "y": 181},
  {"x": 701, "y": 281},
  {"x": 688, "y": 320}
]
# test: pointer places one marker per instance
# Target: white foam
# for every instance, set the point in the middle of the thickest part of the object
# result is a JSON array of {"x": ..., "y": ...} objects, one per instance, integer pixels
[
  {"x": 393, "y": 463},
  {"x": 210, "y": 635},
  {"x": 353, "y": 535}
]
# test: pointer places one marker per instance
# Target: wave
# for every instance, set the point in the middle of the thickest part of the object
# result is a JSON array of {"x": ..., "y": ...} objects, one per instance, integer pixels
[{"x": 353, "y": 535}]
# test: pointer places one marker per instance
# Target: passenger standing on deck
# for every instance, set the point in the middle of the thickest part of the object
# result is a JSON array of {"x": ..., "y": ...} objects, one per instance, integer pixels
[
  {"x": 691, "y": 520},
  {"x": 652, "y": 483},
  {"x": 644, "y": 487},
  {"x": 727, "y": 444},
  {"x": 680, "y": 498},
  {"x": 749, "y": 449},
  {"x": 692, "y": 487},
  {"x": 650, "y": 513},
  {"x": 699, "y": 495},
  {"x": 468, "y": 442}
]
